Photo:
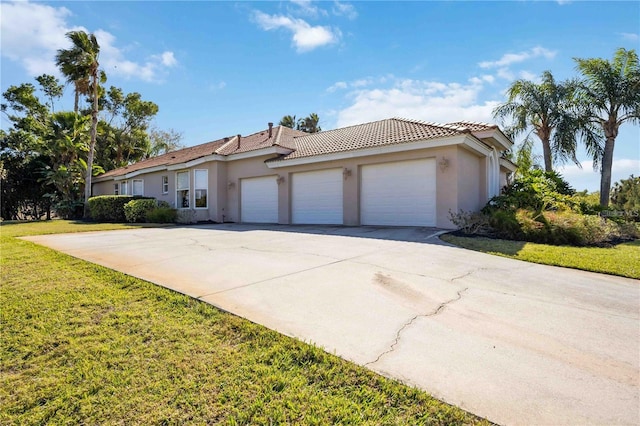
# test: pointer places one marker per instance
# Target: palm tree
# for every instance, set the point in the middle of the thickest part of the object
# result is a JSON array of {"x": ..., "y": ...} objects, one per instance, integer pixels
[
  {"x": 545, "y": 109},
  {"x": 310, "y": 124},
  {"x": 608, "y": 96},
  {"x": 80, "y": 66},
  {"x": 288, "y": 121}
]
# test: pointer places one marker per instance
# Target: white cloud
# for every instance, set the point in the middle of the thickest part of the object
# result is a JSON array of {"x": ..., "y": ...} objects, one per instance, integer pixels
[
  {"x": 344, "y": 9},
  {"x": 307, "y": 9},
  {"x": 630, "y": 36},
  {"x": 506, "y": 74},
  {"x": 357, "y": 84},
  {"x": 113, "y": 61},
  {"x": 33, "y": 32},
  {"x": 528, "y": 76},
  {"x": 168, "y": 59},
  {"x": 305, "y": 36},
  {"x": 425, "y": 100},
  {"x": 337, "y": 86},
  {"x": 512, "y": 58}
]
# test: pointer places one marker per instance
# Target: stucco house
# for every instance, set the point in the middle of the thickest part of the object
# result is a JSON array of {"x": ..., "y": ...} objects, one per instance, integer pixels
[{"x": 394, "y": 172}]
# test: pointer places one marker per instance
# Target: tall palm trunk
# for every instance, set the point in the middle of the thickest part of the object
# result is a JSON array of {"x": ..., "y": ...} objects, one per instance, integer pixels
[
  {"x": 76, "y": 100},
  {"x": 546, "y": 154},
  {"x": 605, "y": 174},
  {"x": 92, "y": 143}
]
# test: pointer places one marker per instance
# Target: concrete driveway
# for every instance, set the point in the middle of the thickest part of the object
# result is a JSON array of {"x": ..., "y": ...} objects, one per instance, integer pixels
[{"x": 514, "y": 342}]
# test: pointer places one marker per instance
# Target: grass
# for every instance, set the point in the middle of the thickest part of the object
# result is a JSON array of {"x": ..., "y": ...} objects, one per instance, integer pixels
[
  {"x": 83, "y": 344},
  {"x": 622, "y": 259}
]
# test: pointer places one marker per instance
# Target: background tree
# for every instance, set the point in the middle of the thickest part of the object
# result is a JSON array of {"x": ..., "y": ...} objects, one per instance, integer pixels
[
  {"x": 625, "y": 196},
  {"x": 545, "y": 110},
  {"x": 310, "y": 124},
  {"x": 123, "y": 135},
  {"x": 65, "y": 146},
  {"x": 288, "y": 121},
  {"x": 79, "y": 64},
  {"x": 609, "y": 95},
  {"x": 163, "y": 141},
  {"x": 51, "y": 88}
]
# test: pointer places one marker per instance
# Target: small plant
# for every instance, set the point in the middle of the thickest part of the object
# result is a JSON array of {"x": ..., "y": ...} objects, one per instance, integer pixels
[
  {"x": 470, "y": 222},
  {"x": 162, "y": 215}
]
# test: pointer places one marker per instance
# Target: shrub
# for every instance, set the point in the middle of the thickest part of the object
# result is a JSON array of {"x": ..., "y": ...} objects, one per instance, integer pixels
[
  {"x": 69, "y": 209},
  {"x": 110, "y": 208},
  {"x": 505, "y": 224},
  {"x": 625, "y": 198},
  {"x": 470, "y": 222},
  {"x": 537, "y": 190},
  {"x": 162, "y": 215},
  {"x": 136, "y": 210}
]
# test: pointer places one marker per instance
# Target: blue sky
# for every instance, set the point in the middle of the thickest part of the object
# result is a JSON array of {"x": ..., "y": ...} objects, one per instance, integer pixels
[{"x": 221, "y": 68}]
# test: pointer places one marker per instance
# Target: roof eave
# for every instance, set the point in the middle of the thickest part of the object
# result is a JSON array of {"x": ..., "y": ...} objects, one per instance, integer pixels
[
  {"x": 508, "y": 165},
  {"x": 495, "y": 135}
]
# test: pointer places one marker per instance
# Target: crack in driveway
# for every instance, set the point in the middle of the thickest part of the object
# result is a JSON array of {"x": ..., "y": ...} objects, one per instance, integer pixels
[{"x": 412, "y": 320}]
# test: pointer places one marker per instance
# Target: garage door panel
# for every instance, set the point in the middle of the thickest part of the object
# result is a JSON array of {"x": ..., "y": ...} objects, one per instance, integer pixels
[
  {"x": 399, "y": 193},
  {"x": 259, "y": 200},
  {"x": 316, "y": 197}
]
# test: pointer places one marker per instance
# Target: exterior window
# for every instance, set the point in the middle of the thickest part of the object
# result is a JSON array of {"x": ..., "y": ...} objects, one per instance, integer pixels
[
  {"x": 182, "y": 190},
  {"x": 138, "y": 187},
  {"x": 116, "y": 189},
  {"x": 124, "y": 188},
  {"x": 165, "y": 184},
  {"x": 201, "y": 183}
]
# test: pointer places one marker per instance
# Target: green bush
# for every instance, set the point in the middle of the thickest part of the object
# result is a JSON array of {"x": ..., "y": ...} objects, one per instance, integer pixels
[
  {"x": 560, "y": 228},
  {"x": 536, "y": 190},
  {"x": 136, "y": 210},
  {"x": 625, "y": 199},
  {"x": 108, "y": 208},
  {"x": 162, "y": 215}
]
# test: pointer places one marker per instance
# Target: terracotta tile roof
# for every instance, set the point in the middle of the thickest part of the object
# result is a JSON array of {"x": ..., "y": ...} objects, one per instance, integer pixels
[
  {"x": 473, "y": 125},
  {"x": 281, "y": 136},
  {"x": 378, "y": 133},
  {"x": 170, "y": 158}
]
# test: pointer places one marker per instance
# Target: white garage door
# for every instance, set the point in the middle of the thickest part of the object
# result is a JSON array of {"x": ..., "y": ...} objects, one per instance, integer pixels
[
  {"x": 401, "y": 193},
  {"x": 259, "y": 200},
  {"x": 316, "y": 197}
]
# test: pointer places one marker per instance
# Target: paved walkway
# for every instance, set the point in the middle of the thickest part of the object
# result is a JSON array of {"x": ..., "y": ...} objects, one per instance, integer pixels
[{"x": 514, "y": 342}]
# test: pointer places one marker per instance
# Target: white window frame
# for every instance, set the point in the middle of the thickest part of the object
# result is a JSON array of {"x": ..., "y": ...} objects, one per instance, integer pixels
[
  {"x": 116, "y": 189},
  {"x": 133, "y": 187},
  {"x": 124, "y": 187},
  {"x": 205, "y": 188},
  {"x": 165, "y": 184},
  {"x": 179, "y": 204}
]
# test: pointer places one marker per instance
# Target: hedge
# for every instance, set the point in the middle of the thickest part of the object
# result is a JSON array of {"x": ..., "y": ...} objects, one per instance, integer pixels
[{"x": 110, "y": 208}]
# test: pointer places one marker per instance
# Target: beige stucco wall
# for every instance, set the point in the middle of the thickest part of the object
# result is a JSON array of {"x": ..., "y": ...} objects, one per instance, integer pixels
[
  {"x": 471, "y": 181},
  {"x": 102, "y": 188},
  {"x": 241, "y": 169},
  {"x": 446, "y": 188}
]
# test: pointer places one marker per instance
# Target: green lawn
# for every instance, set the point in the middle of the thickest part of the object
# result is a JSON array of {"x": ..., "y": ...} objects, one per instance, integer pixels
[
  {"x": 622, "y": 260},
  {"x": 82, "y": 344}
]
